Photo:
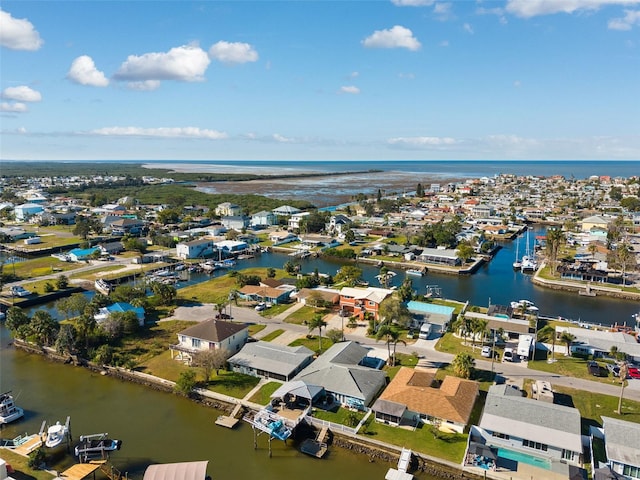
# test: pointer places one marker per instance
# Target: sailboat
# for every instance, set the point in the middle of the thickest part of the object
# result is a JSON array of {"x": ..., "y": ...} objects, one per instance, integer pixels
[
  {"x": 517, "y": 264},
  {"x": 529, "y": 262}
]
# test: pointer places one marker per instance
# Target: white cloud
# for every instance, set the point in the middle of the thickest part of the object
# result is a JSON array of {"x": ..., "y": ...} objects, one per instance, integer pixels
[
  {"x": 422, "y": 142},
  {"x": 533, "y": 8},
  {"x": 144, "y": 86},
  {"x": 468, "y": 28},
  {"x": 186, "y": 63},
  {"x": 21, "y": 94},
  {"x": 631, "y": 18},
  {"x": 227, "y": 52},
  {"x": 350, "y": 89},
  {"x": 412, "y": 3},
  {"x": 498, "y": 11},
  {"x": 354, "y": 74},
  {"x": 443, "y": 11},
  {"x": 15, "y": 107},
  {"x": 18, "y": 34},
  {"x": 163, "y": 132},
  {"x": 444, "y": 43},
  {"x": 408, "y": 76},
  {"x": 281, "y": 138},
  {"x": 84, "y": 72},
  {"x": 395, "y": 37}
]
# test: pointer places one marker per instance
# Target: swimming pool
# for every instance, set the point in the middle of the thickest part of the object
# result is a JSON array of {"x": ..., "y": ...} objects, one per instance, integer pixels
[{"x": 524, "y": 458}]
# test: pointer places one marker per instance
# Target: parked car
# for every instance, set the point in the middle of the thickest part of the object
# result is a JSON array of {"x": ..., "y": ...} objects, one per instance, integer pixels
[
  {"x": 613, "y": 369},
  {"x": 633, "y": 372},
  {"x": 223, "y": 316},
  {"x": 486, "y": 352},
  {"x": 594, "y": 368},
  {"x": 261, "y": 306},
  {"x": 507, "y": 356}
]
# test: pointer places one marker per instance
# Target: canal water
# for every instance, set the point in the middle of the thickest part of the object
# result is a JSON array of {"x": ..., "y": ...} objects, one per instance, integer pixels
[
  {"x": 494, "y": 283},
  {"x": 155, "y": 427}
]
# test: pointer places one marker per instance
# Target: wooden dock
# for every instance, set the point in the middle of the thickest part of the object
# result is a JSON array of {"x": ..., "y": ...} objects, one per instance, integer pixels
[
  {"x": 230, "y": 421},
  {"x": 34, "y": 442},
  {"x": 316, "y": 447}
]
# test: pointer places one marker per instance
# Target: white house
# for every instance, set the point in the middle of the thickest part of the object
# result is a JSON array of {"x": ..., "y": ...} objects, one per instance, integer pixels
[
  {"x": 227, "y": 209},
  {"x": 295, "y": 219},
  {"x": 264, "y": 219},
  {"x": 120, "y": 307},
  {"x": 27, "y": 210},
  {"x": 209, "y": 335},
  {"x": 195, "y": 249}
]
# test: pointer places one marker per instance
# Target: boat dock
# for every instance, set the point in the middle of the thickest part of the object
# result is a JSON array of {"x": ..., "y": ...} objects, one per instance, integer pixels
[
  {"x": 316, "y": 447},
  {"x": 403, "y": 465},
  {"x": 28, "y": 444},
  {"x": 230, "y": 421}
]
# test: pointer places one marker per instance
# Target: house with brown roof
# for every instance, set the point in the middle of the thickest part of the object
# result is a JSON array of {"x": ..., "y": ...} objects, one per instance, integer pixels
[
  {"x": 209, "y": 335},
  {"x": 415, "y": 395}
]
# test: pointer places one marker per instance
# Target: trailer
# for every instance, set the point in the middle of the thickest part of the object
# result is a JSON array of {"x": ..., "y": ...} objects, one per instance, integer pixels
[{"x": 525, "y": 346}]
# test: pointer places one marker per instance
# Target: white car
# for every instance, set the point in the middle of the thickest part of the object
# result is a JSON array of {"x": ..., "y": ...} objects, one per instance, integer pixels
[
  {"x": 486, "y": 352},
  {"x": 507, "y": 356},
  {"x": 261, "y": 306}
]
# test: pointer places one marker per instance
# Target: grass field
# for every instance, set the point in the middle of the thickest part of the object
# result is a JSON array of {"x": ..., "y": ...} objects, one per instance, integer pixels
[
  {"x": 263, "y": 396},
  {"x": 271, "y": 335}
]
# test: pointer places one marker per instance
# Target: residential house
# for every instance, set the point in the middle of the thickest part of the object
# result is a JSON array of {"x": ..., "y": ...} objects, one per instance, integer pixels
[
  {"x": 200, "y": 248},
  {"x": 516, "y": 426},
  {"x": 622, "y": 441},
  {"x": 598, "y": 343},
  {"x": 229, "y": 247},
  {"x": 209, "y": 335},
  {"x": 280, "y": 238},
  {"x": 111, "y": 248},
  {"x": 440, "y": 256},
  {"x": 338, "y": 224},
  {"x": 264, "y": 219},
  {"x": 415, "y": 395},
  {"x": 260, "y": 293},
  {"x": 311, "y": 296},
  {"x": 285, "y": 210},
  {"x": 359, "y": 301},
  {"x": 437, "y": 315},
  {"x": 27, "y": 211},
  {"x": 268, "y": 360},
  {"x": 295, "y": 219},
  {"x": 342, "y": 372},
  {"x": 82, "y": 254},
  {"x": 595, "y": 221},
  {"x": 227, "y": 209},
  {"x": 235, "y": 222},
  {"x": 120, "y": 307},
  {"x": 127, "y": 226}
]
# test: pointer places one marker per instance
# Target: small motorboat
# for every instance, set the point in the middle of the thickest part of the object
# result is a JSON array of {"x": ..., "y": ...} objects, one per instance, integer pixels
[
  {"x": 8, "y": 409},
  {"x": 103, "y": 286},
  {"x": 96, "y": 446},
  {"x": 57, "y": 433}
]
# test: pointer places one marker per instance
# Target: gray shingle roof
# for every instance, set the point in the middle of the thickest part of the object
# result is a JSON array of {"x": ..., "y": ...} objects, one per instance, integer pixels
[
  {"x": 622, "y": 441},
  {"x": 272, "y": 358}
]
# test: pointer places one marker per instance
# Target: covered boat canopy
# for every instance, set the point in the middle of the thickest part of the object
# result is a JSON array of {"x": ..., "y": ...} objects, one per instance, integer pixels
[
  {"x": 177, "y": 471},
  {"x": 299, "y": 388}
]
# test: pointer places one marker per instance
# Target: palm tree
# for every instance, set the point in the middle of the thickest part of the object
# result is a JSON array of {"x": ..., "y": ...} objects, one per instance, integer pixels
[
  {"x": 555, "y": 238},
  {"x": 317, "y": 322},
  {"x": 463, "y": 364},
  {"x": 478, "y": 327},
  {"x": 392, "y": 336},
  {"x": 567, "y": 338}
]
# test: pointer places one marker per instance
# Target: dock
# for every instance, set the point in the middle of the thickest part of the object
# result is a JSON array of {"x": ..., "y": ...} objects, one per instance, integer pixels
[
  {"x": 29, "y": 444},
  {"x": 316, "y": 447},
  {"x": 230, "y": 421},
  {"x": 403, "y": 465}
]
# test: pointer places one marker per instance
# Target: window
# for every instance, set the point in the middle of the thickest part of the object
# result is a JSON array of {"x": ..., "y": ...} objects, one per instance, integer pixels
[
  {"x": 567, "y": 455},
  {"x": 503, "y": 436},
  {"x": 195, "y": 342},
  {"x": 632, "y": 471},
  {"x": 536, "y": 445}
]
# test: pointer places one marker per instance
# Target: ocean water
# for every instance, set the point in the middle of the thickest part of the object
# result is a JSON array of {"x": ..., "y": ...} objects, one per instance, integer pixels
[{"x": 578, "y": 169}]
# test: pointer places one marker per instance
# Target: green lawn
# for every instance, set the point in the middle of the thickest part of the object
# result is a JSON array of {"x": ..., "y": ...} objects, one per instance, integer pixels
[
  {"x": 22, "y": 471},
  {"x": 263, "y": 396},
  {"x": 311, "y": 342},
  {"x": 270, "y": 336},
  {"x": 448, "y": 446},
  {"x": 593, "y": 406},
  {"x": 39, "y": 266},
  {"x": 255, "y": 328},
  {"x": 231, "y": 383},
  {"x": 304, "y": 314},
  {"x": 342, "y": 416},
  {"x": 572, "y": 367}
]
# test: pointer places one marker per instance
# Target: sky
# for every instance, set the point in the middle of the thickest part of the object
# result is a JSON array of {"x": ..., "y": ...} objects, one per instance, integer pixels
[{"x": 320, "y": 80}]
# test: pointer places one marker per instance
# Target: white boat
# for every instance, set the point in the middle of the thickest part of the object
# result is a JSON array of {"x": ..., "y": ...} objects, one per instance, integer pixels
[
  {"x": 529, "y": 264},
  {"x": 8, "y": 409},
  {"x": 56, "y": 434},
  {"x": 103, "y": 286},
  {"x": 96, "y": 446},
  {"x": 414, "y": 271},
  {"x": 517, "y": 264}
]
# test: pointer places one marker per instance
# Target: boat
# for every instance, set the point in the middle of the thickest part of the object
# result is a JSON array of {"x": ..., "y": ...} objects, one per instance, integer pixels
[
  {"x": 102, "y": 286},
  {"x": 8, "y": 409},
  {"x": 529, "y": 264},
  {"x": 517, "y": 264},
  {"x": 94, "y": 446},
  {"x": 415, "y": 271},
  {"x": 57, "y": 433}
]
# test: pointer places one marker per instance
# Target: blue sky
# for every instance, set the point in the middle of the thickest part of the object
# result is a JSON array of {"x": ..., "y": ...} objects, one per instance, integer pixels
[{"x": 315, "y": 80}]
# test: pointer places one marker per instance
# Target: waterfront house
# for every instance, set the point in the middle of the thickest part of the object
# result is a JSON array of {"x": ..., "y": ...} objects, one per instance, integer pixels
[
  {"x": 621, "y": 441},
  {"x": 126, "y": 226},
  {"x": 119, "y": 308},
  {"x": 595, "y": 221},
  {"x": 279, "y": 238},
  {"x": 527, "y": 430},
  {"x": 316, "y": 296},
  {"x": 440, "y": 256},
  {"x": 338, "y": 224},
  {"x": 82, "y": 254},
  {"x": 209, "y": 335},
  {"x": 229, "y": 247},
  {"x": 227, "y": 209},
  {"x": 200, "y": 248},
  {"x": 598, "y": 343},
  {"x": 422, "y": 312},
  {"x": 261, "y": 293},
  {"x": 414, "y": 395},
  {"x": 285, "y": 210},
  {"x": 359, "y": 301},
  {"x": 342, "y": 371},
  {"x": 295, "y": 219},
  {"x": 235, "y": 222},
  {"x": 268, "y": 360}
]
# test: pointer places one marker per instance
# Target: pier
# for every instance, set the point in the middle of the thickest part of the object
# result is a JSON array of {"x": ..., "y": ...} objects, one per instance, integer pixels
[
  {"x": 403, "y": 465},
  {"x": 230, "y": 421},
  {"x": 316, "y": 447}
]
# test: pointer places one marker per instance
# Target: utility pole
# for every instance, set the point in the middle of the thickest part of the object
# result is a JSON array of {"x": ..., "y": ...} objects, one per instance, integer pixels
[{"x": 623, "y": 376}]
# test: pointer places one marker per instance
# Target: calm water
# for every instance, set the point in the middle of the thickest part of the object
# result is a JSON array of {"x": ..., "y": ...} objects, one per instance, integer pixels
[{"x": 155, "y": 427}]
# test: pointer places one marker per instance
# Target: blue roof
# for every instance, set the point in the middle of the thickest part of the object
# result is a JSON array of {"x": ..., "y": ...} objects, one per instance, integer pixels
[
  {"x": 125, "y": 307},
  {"x": 429, "y": 308},
  {"x": 83, "y": 252}
]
